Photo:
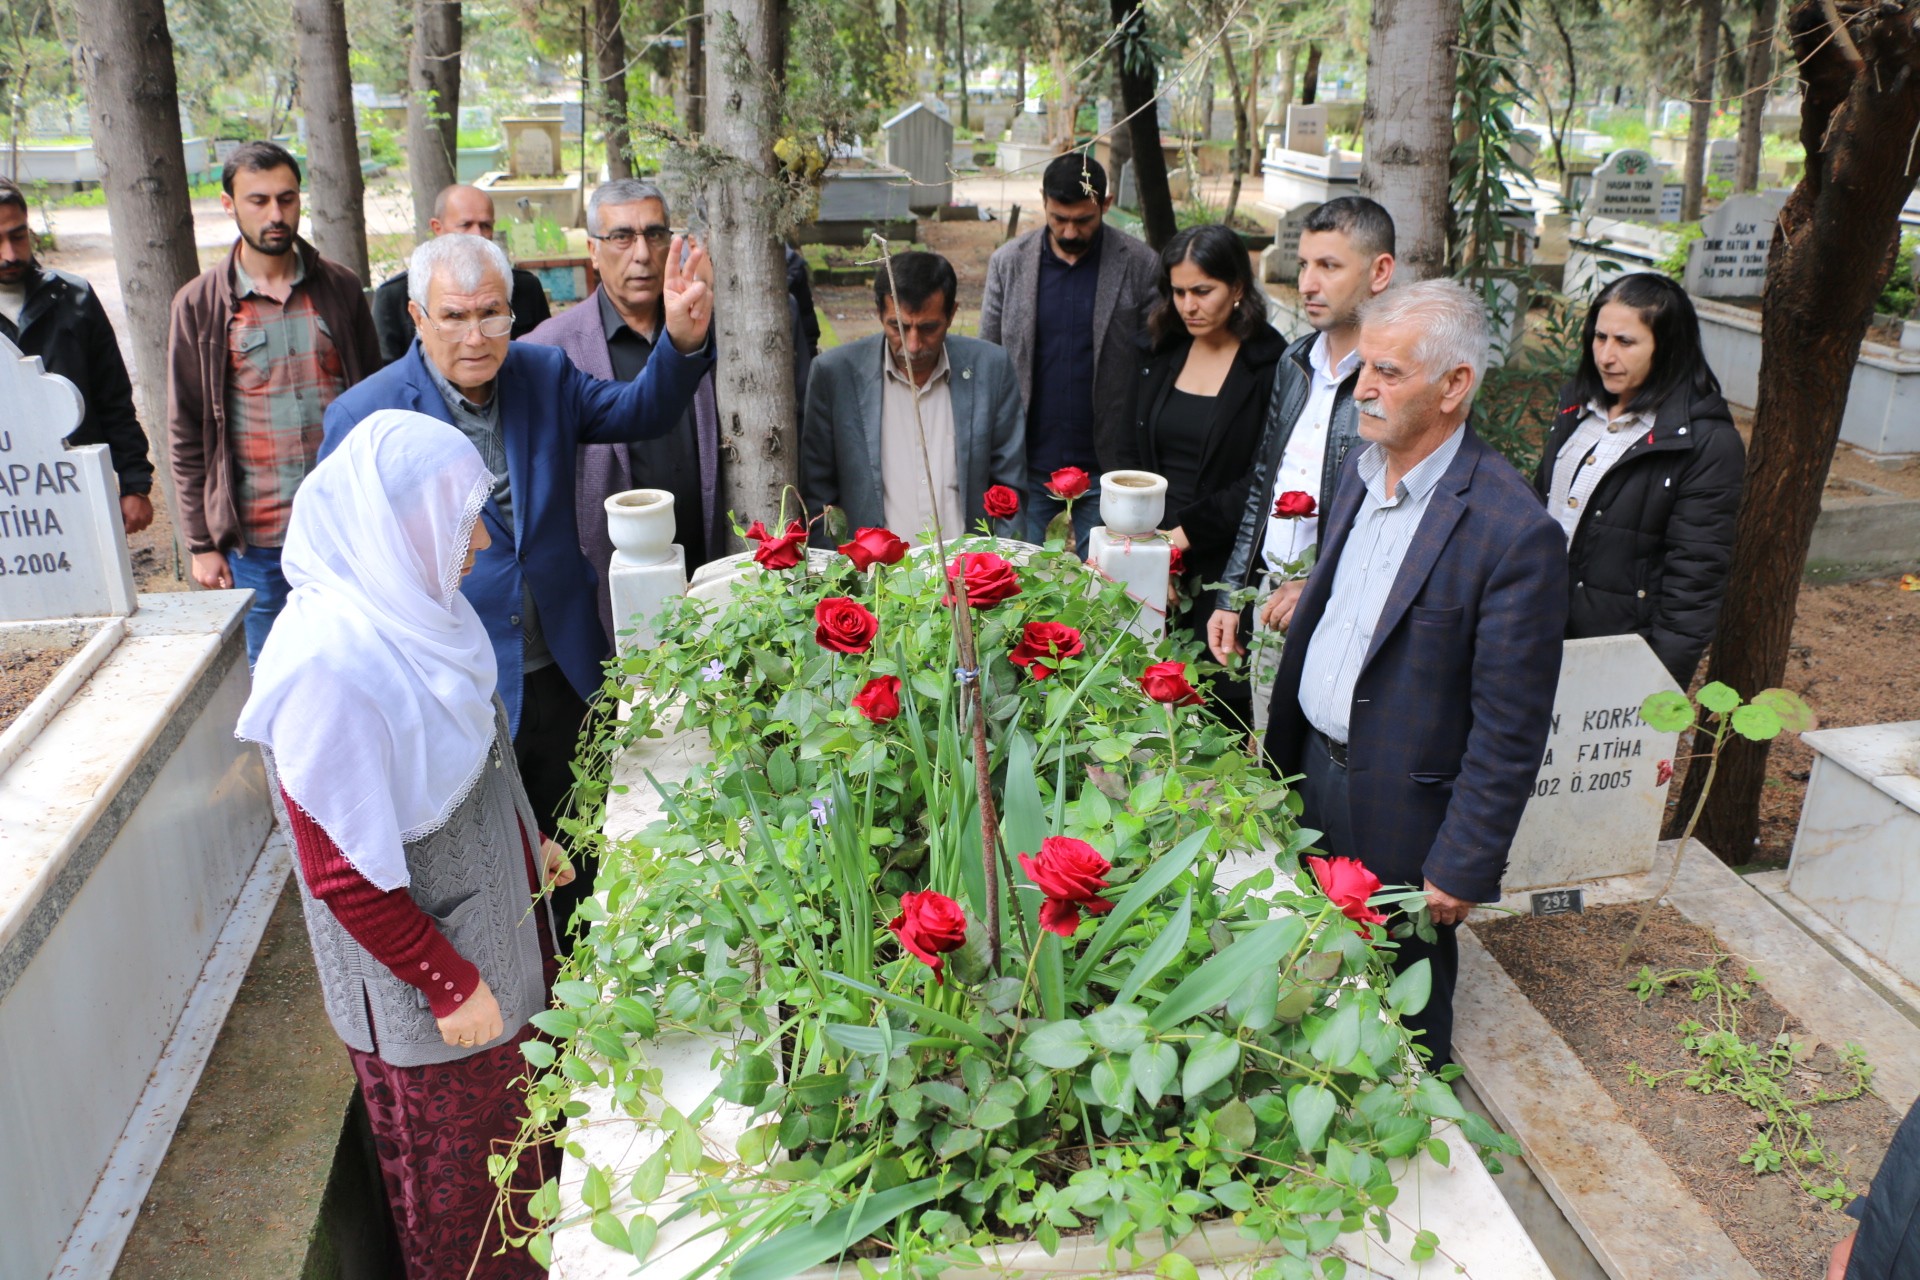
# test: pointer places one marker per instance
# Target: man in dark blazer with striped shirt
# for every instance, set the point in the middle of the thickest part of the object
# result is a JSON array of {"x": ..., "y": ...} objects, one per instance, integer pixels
[{"x": 1416, "y": 688}]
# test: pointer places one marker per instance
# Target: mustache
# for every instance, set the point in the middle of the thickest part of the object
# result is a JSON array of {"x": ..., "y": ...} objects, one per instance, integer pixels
[{"x": 1371, "y": 409}]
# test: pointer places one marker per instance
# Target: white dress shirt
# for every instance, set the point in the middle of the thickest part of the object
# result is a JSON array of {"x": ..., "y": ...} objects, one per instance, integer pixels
[
  {"x": 1304, "y": 460},
  {"x": 1370, "y": 561},
  {"x": 1589, "y": 453},
  {"x": 906, "y": 502}
]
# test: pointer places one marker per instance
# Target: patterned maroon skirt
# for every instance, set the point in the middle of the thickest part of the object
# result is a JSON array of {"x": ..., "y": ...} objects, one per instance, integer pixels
[{"x": 434, "y": 1128}]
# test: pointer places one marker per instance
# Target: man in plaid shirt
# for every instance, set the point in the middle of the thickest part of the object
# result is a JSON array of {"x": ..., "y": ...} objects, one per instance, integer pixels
[{"x": 260, "y": 345}]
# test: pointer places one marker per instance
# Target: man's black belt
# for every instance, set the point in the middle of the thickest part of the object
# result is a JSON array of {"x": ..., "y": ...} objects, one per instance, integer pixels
[{"x": 1336, "y": 751}]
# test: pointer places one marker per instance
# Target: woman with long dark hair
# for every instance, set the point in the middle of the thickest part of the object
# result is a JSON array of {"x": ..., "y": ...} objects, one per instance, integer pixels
[
  {"x": 1643, "y": 469},
  {"x": 1199, "y": 412}
]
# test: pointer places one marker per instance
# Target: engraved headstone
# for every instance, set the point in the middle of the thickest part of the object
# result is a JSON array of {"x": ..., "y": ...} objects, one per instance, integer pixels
[
  {"x": 1103, "y": 115},
  {"x": 1729, "y": 260},
  {"x": 1129, "y": 187},
  {"x": 1307, "y": 129},
  {"x": 1280, "y": 262},
  {"x": 1600, "y": 795},
  {"x": 1723, "y": 158},
  {"x": 62, "y": 550},
  {"x": 1030, "y": 127},
  {"x": 533, "y": 146},
  {"x": 1626, "y": 185},
  {"x": 1673, "y": 114},
  {"x": 1671, "y": 202}
]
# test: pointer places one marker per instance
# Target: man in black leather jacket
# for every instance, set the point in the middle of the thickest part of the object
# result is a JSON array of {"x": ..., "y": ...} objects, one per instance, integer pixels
[
  {"x": 59, "y": 318},
  {"x": 1346, "y": 257}
]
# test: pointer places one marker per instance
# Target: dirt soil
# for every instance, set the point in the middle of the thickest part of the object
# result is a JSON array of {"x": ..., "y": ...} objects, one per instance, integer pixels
[
  {"x": 1849, "y": 464},
  {"x": 1569, "y": 967},
  {"x": 23, "y": 674}
]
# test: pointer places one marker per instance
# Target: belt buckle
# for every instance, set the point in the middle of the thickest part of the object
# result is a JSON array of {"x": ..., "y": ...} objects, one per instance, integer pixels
[{"x": 1337, "y": 752}]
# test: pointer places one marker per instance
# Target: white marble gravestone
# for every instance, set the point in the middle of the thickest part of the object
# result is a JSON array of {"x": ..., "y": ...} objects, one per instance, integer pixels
[
  {"x": 1626, "y": 185},
  {"x": 1030, "y": 127},
  {"x": 533, "y": 146},
  {"x": 1307, "y": 129},
  {"x": 1280, "y": 261},
  {"x": 1729, "y": 260},
  {"x": 1723, "y": 159},
  {"x": 1599, "y": 797},
  {"x": 62, "y": 553}
]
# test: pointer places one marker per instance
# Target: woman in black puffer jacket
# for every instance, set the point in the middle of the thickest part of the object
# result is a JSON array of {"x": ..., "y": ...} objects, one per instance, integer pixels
[{"x": 1643, "y": 469}]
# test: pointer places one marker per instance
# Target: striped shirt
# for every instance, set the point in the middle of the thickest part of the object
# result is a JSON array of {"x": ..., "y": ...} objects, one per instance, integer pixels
[
  {"x": 1382, "y": 531},
  {"x": 282, "y": 373}
]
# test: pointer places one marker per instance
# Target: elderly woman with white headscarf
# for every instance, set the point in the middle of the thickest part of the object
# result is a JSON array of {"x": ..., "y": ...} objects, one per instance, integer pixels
[{"x": 373, "y": 703}]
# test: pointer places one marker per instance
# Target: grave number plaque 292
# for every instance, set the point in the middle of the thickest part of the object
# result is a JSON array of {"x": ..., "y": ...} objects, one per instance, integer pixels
[{"x": 62, "y": 551}]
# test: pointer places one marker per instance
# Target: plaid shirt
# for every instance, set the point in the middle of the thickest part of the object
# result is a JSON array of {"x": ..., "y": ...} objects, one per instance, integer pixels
[{"x": 282, "y": 373}]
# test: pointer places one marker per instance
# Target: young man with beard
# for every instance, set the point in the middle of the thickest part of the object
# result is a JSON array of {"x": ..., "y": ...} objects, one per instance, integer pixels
[
  {"x": 1346, "y": 257},
  {"x": 58, "y": 317},
  {"x": 260, "y": 345}
]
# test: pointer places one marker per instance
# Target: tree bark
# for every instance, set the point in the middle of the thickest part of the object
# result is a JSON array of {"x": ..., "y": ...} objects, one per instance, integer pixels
[
  {"x": 610, "y": 55},
  {"x": 1408, "y": 125},
  {"x": 1289, "y": 73},
  {"x": 1832, "y": 250},
  {"x": 1134, "y": 65},
  {"x": 433, "y": 104},
  {"x": 1240, "y": 130},
  {"x": 336, "y": 190},
  {"x": 1694, "y": 179},
  {"x": 960, "y": 50},
  {"x": 1753, "y": 104},
  {"x": 697, "y": 68},
  {"x": 753, "y": 383},
  {"x": 126, "y": 53},
  {"x": 1310, "y": 79}
]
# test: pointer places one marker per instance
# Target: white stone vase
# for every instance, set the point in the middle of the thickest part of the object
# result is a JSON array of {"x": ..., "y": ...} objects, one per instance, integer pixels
[
  {"x": 1132, "y": 502},
  {"x": 640, "y": 523}
]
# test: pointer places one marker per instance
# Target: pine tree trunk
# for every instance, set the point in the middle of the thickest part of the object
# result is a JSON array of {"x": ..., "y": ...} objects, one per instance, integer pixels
[
  {"x": 126, "y": 54},
  {"x": 1137, "y": 73},
  {"x": 1753, "y": 106},
  {"x": 759, "y": 430},
  {"x": 1693, "y": 183},
  {"x": 1832, "y": 250},
  {"x": 1408, "y": 125},
  {"x": 433, "y": 104},
  {"x": 696, "y": 68},
  {"x": 336, "y": 191},
  {"x": 610, "y": 53},
  {"x": 1310, "y": 78}
]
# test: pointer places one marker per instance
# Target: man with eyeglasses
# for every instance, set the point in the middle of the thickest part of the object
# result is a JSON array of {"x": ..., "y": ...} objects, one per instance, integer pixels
[
  {"x": 459, "y": 210},
  {"x": 528, "y": 410}
]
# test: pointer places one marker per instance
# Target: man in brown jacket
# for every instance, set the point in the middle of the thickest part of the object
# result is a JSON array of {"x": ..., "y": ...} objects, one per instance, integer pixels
[{"x": 260, "y": 345}]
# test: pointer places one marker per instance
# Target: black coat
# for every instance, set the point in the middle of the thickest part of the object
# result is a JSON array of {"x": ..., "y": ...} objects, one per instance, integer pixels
[
  {"x": 395, "y": 327},
  {"x": 64, "y": 324},
  {"x": 1650, "y": 555},
  {"x": 1210, "y": 517}
]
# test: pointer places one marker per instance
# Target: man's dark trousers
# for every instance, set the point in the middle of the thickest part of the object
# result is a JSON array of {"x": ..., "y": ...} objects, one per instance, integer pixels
[
  {"x": 551, "y": 717},
  {"x": 1326, "y": 807}
]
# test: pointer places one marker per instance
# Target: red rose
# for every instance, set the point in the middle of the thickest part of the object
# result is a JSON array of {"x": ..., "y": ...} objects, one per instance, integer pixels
[
  {"x": 1042, "y": 646},
  {"x": 1176, "y": 560},
  {"x": 756, "y": 532},
  {"x": 1293, "y": 505},
  {"x": 880, "y": 700},
  {"x": 844, "y": 625},
  {"x": 930, "y": 925},
  {"x": 1001, "y": 502},
  {"x": 785, "y": 551},
  {"x": 1348, "y": 885},
  {"x": 1167, "y": 682},
  {"x": 990, "y": 579},
  {"x": 1069, "y": 483},
  {"x": 1071, "y": 873},
  {"x": 874, "y": 546},
  {"x": 1663, "y": 773}
]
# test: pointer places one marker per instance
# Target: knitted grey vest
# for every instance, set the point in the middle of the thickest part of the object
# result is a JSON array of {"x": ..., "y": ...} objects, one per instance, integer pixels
[{"x": 470, "y": 876}]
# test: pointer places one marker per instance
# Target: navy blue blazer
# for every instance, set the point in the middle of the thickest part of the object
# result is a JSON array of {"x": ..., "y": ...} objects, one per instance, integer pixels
[
  {"x": 1451, "y": 711},
  {"x": 548, "y": 409}
]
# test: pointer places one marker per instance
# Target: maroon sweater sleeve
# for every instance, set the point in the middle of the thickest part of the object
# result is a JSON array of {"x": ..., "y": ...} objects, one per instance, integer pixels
[{"x": 390, "y": 925}]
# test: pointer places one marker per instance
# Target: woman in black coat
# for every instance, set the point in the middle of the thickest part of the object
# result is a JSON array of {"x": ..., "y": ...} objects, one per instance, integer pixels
[
  {"x": 1198, "y": 413},
  {"x": 1643, "y": 469}
]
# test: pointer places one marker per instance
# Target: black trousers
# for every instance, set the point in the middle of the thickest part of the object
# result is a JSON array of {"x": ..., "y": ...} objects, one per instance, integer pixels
[
  {"x": 1326, "y": 806},
  {"x": 551, "y": 717}
]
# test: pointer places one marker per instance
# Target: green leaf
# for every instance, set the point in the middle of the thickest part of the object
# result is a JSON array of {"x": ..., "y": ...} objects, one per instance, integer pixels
[
  {"x": 1173, "y": 1266},
  {"x": 1440, "y": 1152},
  {"x": 1310, "y": 1107},
  {"x": 576, "y": 994},
  {"x": 650, "y": 1179},
  {"x": 1112, "y": 1083},
  {"x": 642, "y": 1231},
  {"x": 929, "y": 1016},
  {"x": 1253, "y": 1006},
  {"x": 1667, "y": 711},
  {"x": 1411, "y": 988},
  {"x": 753, "y": 1146},
  {"x": 747, "y": 1080},
  {"x": 593, "y": 1190},
  {"x": 1235, "y": 1123},
  {"x": 1757, "y": 723},
  {"x": 858, "y": 1039},
  {"x": 608, "y": 1231},
  {"x": 1294, "y": 1003},
  {"x": 1160, "y": 953},
  {"x": 1715, "y": 696},
  {"x": 959, "y": 1142},
  {"x": 1208, "y": 986},
  {"x": 802, "y": 1246},
  {"x": 1163, "y": 872},
  {"x": 1154, "y": 1066},
  {"x": 538, "y": 1053},
  {"x": 1208, "y": 1063},
  {"x": 1795, "y": 715},
  {"x": 1118, "y": 1028},
  {"x": 1339, "y": 1037},
  {"x": 1061, "y": 1045},
  {"x": 1023, "y": 824},
  {"x": 1432, "y": 1097}
]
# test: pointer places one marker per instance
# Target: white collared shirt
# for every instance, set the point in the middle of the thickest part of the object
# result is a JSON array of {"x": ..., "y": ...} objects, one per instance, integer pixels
[
  {"x": 1589, "y": 453},
  {"x": 1304, "y": 461},
  {"x": 906, "y": 502}
]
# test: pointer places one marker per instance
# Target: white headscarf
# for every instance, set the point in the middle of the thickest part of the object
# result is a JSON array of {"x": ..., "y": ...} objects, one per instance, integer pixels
[{"x": 375, "y": 689}]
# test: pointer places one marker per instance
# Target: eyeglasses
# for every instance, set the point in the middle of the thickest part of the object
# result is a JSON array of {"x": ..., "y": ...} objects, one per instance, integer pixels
[
  {"x": 489, "y": 327},
  {"x": 656, "y": 238}
]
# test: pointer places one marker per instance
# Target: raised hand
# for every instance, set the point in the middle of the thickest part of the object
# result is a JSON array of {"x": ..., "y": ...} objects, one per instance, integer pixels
[{"x": 687, "y": 291}]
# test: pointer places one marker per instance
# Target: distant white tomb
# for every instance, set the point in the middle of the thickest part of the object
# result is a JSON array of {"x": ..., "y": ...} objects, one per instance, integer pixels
[
  {"x": 1729, "y": 260},
  {"x": 1627, "y": 185}
]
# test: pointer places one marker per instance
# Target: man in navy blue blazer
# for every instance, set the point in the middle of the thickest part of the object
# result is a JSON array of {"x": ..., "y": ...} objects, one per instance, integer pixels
[
  {"x": 527, "y": 410},
  {"x": 1416, "y": 687}
]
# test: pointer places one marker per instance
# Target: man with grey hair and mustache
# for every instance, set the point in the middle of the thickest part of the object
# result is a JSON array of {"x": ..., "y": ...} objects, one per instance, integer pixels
[
  {"x": 528, "y": 410},
  {"x": 1416, "y": 688}
]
